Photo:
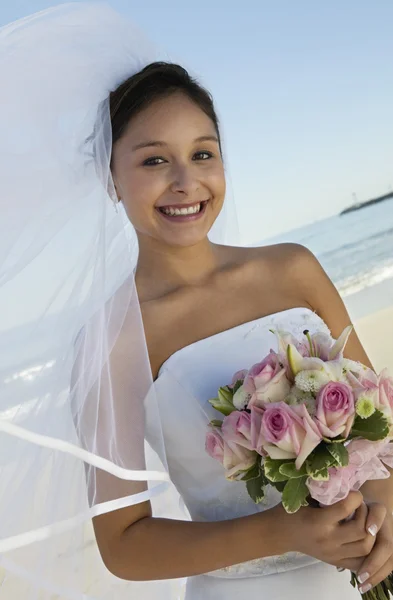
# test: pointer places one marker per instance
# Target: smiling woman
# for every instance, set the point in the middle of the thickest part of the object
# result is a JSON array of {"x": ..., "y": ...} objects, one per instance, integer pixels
[
  {"x": 183, "y": 182},
  {"x": 140, "y": 336}
]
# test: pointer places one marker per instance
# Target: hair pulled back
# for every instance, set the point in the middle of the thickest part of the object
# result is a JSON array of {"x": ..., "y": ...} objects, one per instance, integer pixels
[{"x": 156, "y": 81}]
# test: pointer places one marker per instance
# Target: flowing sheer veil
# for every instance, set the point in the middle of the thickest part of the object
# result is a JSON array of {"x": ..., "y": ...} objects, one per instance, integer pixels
[{"x": 72, "y": 422}]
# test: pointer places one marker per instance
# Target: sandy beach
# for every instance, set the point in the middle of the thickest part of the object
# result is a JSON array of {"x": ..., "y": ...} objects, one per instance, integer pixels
[{"x": 376, "y": 334}]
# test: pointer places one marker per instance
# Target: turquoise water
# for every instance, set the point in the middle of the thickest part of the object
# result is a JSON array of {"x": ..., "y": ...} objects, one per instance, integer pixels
[{"x": 355, "y": 249}]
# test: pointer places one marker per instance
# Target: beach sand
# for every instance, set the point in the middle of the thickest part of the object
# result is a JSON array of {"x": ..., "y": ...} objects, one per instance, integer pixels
[{"x": 376, "y": 334}]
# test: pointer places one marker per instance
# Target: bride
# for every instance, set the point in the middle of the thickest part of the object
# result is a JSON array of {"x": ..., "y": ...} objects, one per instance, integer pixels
[{"x": 206, "y": 310}]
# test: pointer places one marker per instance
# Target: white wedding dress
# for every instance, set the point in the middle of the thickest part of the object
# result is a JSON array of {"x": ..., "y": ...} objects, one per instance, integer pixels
[{"x": 186, "y": 381}]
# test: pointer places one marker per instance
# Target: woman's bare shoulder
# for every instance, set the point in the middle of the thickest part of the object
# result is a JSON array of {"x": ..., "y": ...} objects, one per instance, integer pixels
[
  {"x": 284, "y": 259},
  {"x": 279, "y": 251}
]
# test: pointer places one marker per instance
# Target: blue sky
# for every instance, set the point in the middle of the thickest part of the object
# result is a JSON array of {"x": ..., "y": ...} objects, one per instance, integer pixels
[{"x": 304, "y": 90}]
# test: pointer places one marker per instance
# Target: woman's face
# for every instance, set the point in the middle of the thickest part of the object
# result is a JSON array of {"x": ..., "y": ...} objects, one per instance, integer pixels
[{"x": 169, "y": 173}]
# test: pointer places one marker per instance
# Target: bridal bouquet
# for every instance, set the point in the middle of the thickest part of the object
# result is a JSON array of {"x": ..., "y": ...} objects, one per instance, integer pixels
[{"x": 308, "y": 422}]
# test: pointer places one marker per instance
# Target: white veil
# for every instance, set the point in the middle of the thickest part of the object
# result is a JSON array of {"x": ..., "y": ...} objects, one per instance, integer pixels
[{"x": 72, "y": 423}]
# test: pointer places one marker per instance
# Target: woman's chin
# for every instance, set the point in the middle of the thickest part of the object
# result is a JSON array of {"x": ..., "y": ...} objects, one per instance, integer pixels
[{"x": 185, "y": 239}]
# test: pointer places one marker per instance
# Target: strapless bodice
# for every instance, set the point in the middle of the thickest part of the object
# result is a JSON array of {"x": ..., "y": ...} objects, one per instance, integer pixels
[{"x": 186, "y": 382}]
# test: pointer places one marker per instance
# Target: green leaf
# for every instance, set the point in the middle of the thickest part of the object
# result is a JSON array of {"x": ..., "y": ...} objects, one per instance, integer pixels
[
  {"x": 336, "y": 440},
  {"x": 374, "y": 428},
  {"x": 224, "y": 402},
  {"x": 278, "y": 485},
  {"x": 320, "y": 460},
  {"x": 290, "y": 471},
  {"x": 255, "y": 490},
  {"x": 339, "y": 453},
  {"x": 295, "y": 494},
  {"x": 226, "y": 393},
  {"x": 237, "y": 385},
  {"x": 256, "y": 486},
  {"x": 252, "y": 473},
  {"x": 321, "y": 475},
  {"x": 272, "y": 469},
  {"x": 216, "y": 423}
]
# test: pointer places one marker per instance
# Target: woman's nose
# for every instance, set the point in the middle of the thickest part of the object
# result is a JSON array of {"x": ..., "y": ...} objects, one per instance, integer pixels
[{"x": 184, "y": 180}]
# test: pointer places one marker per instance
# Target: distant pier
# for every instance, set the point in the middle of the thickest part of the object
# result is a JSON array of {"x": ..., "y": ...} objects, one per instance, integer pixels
[{"x": 359, "y": 205}]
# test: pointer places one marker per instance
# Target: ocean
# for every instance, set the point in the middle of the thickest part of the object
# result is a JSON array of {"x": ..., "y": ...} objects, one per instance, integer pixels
[{"x": 355, "y": 249}]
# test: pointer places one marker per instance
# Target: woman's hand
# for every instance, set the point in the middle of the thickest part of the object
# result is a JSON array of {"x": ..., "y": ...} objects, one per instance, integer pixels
[
  {"x": 326, "y": 534},
  {"x": 379, "y": 564}
]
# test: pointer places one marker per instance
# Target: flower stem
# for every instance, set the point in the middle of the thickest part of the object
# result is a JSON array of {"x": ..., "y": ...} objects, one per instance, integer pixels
[{"x": 382, "y": 591}]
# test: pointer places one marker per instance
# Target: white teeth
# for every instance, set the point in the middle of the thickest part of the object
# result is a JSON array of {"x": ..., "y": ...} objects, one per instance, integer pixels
[{"x": 175, "y": 212}]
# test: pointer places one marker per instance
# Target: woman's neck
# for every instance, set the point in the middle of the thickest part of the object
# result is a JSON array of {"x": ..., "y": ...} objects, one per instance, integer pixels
[{"x": 163, "y": 269}]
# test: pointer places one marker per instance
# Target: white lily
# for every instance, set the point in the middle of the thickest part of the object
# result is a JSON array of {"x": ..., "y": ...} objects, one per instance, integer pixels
[{"x": 338, "y": 347}]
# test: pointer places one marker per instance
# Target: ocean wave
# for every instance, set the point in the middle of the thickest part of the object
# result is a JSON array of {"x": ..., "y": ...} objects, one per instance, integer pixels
[{"x": 357, "y": 283}]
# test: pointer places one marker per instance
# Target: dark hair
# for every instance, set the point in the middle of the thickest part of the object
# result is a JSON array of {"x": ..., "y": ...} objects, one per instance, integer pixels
[{"x": 157, "y": 80}]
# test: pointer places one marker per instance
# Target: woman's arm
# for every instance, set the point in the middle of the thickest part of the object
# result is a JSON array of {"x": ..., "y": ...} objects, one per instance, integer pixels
[
  {"x": 313, "y": 285},
  {"x": 136, "y": 546},
  {"x": 133, "y": 544},
  {"x": 321, "y": 294}
]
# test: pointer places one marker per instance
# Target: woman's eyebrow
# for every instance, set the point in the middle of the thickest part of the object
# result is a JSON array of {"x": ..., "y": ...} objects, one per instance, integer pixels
[
  {"x": 155, "y": 143},
  {"x": 147, "y": 144}
]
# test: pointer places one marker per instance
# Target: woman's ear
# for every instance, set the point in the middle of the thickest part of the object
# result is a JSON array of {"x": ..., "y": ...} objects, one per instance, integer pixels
[{"x": 116, "y": 190}]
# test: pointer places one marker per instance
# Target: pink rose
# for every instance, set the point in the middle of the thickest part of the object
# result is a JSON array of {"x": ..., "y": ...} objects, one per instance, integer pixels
[
  {"x": 234, "y": 458},
  {"x": 284, "y": 432},
  {"x": 335, "y": 409},
  {"x": 215, "y": 445},
  {"x": 236, "y": 428},
  {"x": 257, "y": 440},
  {"x": 385, "y": 395},
  {"x": 368, "y": 379},
  {"x": 267, "y": 382},
  {"x": 361, "y": 380}
]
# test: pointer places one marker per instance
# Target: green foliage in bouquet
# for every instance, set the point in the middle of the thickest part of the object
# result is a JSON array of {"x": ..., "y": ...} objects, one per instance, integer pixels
[
  {"x": 374, "y": 428},
  {"x": 224, "y": 401},
  {"x": 290, "y": 481},
  {"x": 256, "y": 482}
]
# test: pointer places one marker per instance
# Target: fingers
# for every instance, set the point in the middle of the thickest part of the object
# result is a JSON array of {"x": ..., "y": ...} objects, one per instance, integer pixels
[
  {"x": 345, "y": 508},
  {"x": 379, "y": 563},
  {"x": 375, "y": 518},
  {"x": 352, "y": 564},
  {"x": 355, "y": 529},
  {"x": 359, "y": 549},
  {"x": 369, "y": 582}
]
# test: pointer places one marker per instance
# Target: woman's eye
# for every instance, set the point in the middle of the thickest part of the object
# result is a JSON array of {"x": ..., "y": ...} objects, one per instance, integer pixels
[
  {"x": 154, "y": 160},
  {"x": 202, "y": 156},
  {"x": 158, "y": 160}
]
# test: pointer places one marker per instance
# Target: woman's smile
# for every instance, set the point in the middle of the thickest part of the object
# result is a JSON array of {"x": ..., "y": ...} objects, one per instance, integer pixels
[{"x": 183, "y": 213}]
